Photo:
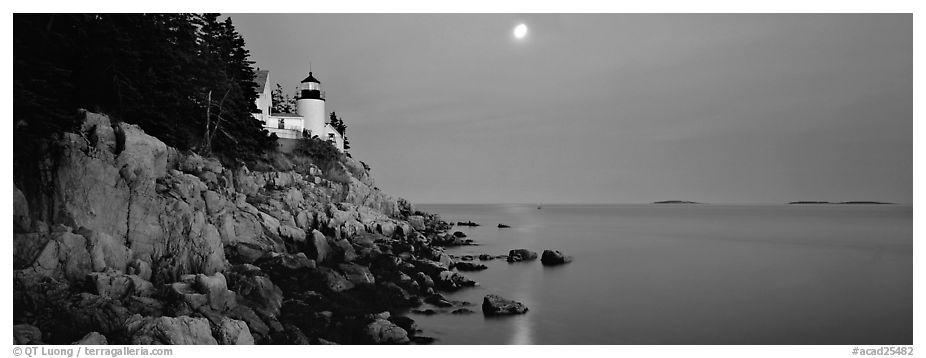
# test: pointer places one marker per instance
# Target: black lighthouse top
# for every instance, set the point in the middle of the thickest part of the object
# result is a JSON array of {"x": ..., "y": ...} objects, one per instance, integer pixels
[
  {"x": 310, "y": 79},
  {"x": 310, "y": 88}
]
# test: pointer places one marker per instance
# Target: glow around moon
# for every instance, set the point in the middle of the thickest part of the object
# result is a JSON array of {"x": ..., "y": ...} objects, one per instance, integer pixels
[{"x": 520, "y": 31}]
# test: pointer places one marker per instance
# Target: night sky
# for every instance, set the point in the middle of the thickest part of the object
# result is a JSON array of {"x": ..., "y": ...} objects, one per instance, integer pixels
[{"x": 611, "y": 108}]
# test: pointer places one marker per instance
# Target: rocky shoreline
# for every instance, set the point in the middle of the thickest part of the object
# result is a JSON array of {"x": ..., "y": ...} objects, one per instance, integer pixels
[{"x": 124, "y": 240}]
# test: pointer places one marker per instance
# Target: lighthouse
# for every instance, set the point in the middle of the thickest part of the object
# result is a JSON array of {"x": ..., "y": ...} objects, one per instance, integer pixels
[{"x": 310, "y": 105}]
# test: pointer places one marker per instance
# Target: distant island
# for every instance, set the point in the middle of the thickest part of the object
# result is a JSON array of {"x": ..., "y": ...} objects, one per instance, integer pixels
[
  {"x": 843, "y": 202},
  {"x": 675, "y": 202}
]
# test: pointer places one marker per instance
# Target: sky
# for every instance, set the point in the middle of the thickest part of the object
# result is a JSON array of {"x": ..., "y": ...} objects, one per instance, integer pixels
[{"x": 611, "y": 108}]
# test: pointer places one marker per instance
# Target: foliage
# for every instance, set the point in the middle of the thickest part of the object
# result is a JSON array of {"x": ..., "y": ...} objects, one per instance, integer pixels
[
  {"x": 184, "y": 78},
  {"x": 338, "y": 124},
  {"x": 282, "y": 103},
  {"x": 323, "y": 154}
]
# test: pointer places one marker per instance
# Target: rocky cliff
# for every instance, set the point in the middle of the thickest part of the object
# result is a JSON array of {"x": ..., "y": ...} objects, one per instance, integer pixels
[{"x": 123, "y": 239}]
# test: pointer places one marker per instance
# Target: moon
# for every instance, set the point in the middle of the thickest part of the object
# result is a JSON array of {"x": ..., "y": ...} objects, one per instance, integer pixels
[{"x": 520, "y": 31}]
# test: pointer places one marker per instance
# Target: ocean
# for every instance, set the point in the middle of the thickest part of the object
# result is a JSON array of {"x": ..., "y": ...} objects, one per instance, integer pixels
[{"x": 688, "y": 274}]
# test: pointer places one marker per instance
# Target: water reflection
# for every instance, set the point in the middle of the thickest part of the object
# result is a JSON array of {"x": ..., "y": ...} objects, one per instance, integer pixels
[{"x": 522, "y": 330}]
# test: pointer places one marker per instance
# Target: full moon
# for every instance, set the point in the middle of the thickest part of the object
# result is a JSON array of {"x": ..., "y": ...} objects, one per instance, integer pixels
[{"x": 520, "y": 31}]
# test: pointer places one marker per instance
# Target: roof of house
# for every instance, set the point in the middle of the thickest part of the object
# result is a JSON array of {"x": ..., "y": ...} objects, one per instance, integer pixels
[
  {"x": 285, "y": 114},
  {"x": 260, "y": 77},
  {"x": 310, "y": 79}
]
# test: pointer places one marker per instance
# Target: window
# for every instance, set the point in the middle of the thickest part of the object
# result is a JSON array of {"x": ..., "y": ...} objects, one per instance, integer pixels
[{"x": 280, "y": 123}]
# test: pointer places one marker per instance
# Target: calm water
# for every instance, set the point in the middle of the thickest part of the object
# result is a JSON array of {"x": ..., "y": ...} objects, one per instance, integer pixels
[{"x": 689, "y": 274}]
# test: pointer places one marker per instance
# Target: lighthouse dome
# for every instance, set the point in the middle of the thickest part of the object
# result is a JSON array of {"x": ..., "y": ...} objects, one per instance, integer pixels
[{"x": 310, "y": 79}]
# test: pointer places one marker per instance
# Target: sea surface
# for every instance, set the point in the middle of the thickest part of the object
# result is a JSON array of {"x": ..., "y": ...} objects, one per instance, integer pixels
[{"x": 689, "y": 274}]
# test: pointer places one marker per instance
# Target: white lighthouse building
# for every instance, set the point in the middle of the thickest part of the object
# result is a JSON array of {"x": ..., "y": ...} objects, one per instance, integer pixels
[{"x": 310, "y": 119}]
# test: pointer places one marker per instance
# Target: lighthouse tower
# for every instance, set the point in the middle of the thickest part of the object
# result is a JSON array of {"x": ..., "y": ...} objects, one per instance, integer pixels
[{"x": 310, "y": 105}]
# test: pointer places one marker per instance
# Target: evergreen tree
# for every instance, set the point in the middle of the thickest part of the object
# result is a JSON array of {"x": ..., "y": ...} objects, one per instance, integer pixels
[
  {"x": 163, "y": 72},
  {"x": 281, "y": 102}
]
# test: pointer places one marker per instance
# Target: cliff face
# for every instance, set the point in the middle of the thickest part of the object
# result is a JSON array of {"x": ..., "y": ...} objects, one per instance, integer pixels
[{"x": 126, "y": 236}]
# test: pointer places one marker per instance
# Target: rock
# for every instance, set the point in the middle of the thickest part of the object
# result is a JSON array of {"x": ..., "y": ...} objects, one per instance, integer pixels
[
  {"x": 21, "y": 220},
  {"x": 459, "y": 234},
  {"x": 318, "y": 248},
  {"x": 449, "y": 280},
  {"x": 405, "y": 323},
  {"x": 26, "y": 334},
  {"x": 382, "y": 331},
  {"x": 466, "y": 223},
  {"x": 168, "y": 330},
  {"x": 257, "y": 290},
  {"x": 553, "y": 257},
  {"x": 346, "y": 249},
  {"x": 215, "y": 203},
  {"x": 462, "y": 311},
  {"x": 423, "y": 280},
  {"x": 64, "y": 256},
  {"x": 519, "y": 255},
  {"x": 467, "y": 258},
  {"x": 232, "y": 332},
  {"x": 215, "y": 287},
  {"x": 503, "y": 226},
  {"x": 493, "y": 305},
  {"x": 469, "y": 266},
  {"x": 105, "y": 251},
  {"x": 417, "y": 222},
  {"x": 142, "y": 155},
  {"x": 27, "y": 247},
  {"x": 92, "y": 339},
  {"x": 438, "y": 300},
  {"x": 88, "y": 312},
  {"x": 486, "y": 257},
  {"x": 426, "y": 312},
  {"x": 430, "y": 268},
  {"x": 357, "y": 274},
  {"x": 390, "y": 294},
  {"x": 140, "y": 268},
  {"x": 334, "y": 280},
  {"x": 118, "y": 285},
  {"x": 292, "y": 233}
]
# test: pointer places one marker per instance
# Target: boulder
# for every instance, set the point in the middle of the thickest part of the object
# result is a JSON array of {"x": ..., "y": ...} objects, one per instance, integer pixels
[
  {"x": 334, "y": 280},
  {"x": 118, "y": 285},
  {"x": 519, "y": 255},
  {"x": 215, "y": 287},
  {"x": 92, "y": 339},
  {"x": 469, "y": 266},
  {"x": 257, "y": 290},
  {"x": 27, "y": 247},
  {"x": 423, "y": 280},
  {"x": 449, "y": 280},
  {"x": 493, "y": 305},
  {"x": 105, "y": 251},
  {"x": 318, "y": 248},
  {"x": 140, "y": 268},
  {"x": 26, "y": 334},
  {"x": 347, "y": 251},
  {"x": 142, "y": 155},
  {"x": 215, "y": 203},
  {"x": 168, "y": 330},
  {"x": 382, "y": 331},
  {"x": 417, "y": 222},
  {"x": 65, "y": 256},
  {"x": 553, "y": 257},
  {"x": 232, "y": 332},
  {"x": 405, "y": 323},
  {"x": 357, "y": 274},
  {"x": 21, "y": 220}
]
